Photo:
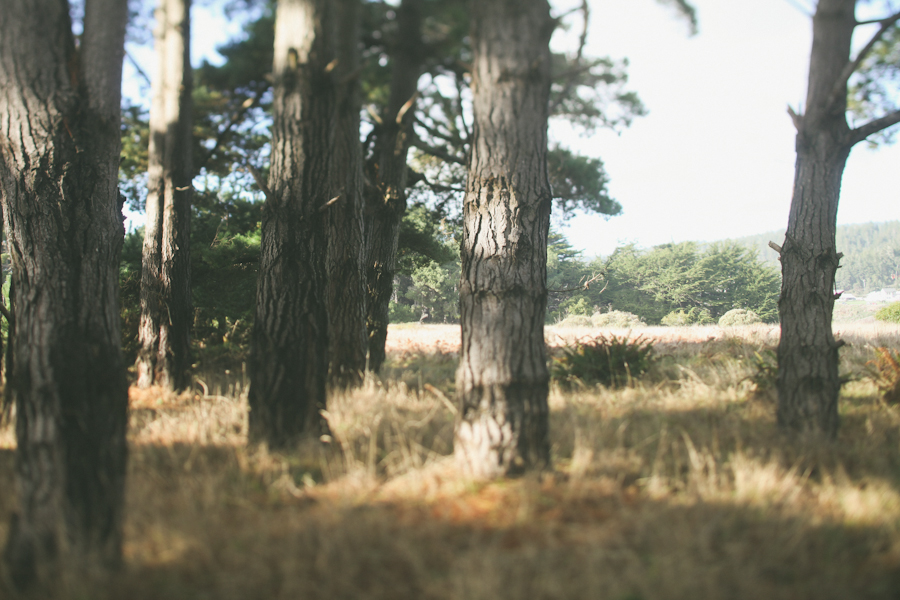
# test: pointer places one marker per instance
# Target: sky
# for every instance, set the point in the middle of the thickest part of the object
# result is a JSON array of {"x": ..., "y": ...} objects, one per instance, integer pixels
[{"x": 714, "y": 158}]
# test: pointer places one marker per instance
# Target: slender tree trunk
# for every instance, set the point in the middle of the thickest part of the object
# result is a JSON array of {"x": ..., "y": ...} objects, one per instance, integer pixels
[
  {"x": 165, "y": 330},
  {"x": 386, "y": 200},
  {"x": 59, "y": 139},
  {"x": 808, "y": 382},
  {"x": 289, "y": 360},
  {"x": 344, "y": 219},
  {"x": 502, "y": 379}
]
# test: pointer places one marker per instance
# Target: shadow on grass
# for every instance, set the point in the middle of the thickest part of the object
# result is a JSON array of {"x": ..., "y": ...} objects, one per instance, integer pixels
[
  {"x": 214, "y": 529},
  {"x": 228, "y": 522}
]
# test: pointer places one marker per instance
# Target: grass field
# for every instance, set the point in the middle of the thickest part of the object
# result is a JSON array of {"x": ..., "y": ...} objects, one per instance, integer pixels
[{"x": 678, "y": 486}]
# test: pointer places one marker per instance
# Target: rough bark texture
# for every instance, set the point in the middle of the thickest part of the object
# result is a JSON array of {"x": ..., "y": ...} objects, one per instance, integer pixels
[
  {"x": 289, "y": 359},
  {"x": 808, "y": 382},
  {"x": 386, "y": 200},
  {"x": 502, "y": 379},
  {"x": 344, "y": 219},
  {"x": 165, "y": 330},
  {"x": 59, "y": 139}
]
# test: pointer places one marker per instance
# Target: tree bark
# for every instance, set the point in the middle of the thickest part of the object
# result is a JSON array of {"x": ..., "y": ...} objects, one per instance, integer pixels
[
  {"x": 344, "y": 219},
  {"x": 289, "y": 356},
  {"x": 386, "y": 200},
  {"x": 166, "y": 308},
  {"x": 59, "y": 139},
  {"x": 502, "y": 380}
]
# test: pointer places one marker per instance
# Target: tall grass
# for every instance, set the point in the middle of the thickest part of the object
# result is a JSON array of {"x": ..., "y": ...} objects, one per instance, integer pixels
[{"x": 677, "y": 486}]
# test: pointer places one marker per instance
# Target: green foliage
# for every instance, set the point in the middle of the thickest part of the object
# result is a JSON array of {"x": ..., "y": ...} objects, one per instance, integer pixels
[
  {"x": 890, "y": 313},
  {"x": 579, "y": 183},
  {"x": 402, "y": 313},
  {"x": 134, "y": 159},
  {"x": 680, "y": 278},
  {"x": 606, "y": 359},
  {"x": 735, "y": 278},
  {"x": 565, "y": 274},
  {"x": 617, "y": 319},
  {"x": 428, "y": 269},
  {"x": 225, "y": 237},
  {"x": 693, "y": 316},
  {"x": 130, "y": 293},
  {"x": 577, "y": 306},
  {"x": 739, "y": 316},
  {"x": 591, "y": 93}
]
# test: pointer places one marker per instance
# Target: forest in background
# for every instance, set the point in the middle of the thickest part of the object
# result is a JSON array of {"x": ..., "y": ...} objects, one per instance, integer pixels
[
  {"x": 696, "y": 280},
  {"x": 871, "y": 258}
]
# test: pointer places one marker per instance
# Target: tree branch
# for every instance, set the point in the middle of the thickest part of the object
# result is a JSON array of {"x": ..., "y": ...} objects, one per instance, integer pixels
[
  {"x": 257, "y": 177},
  {"x": 437, "y": 152},
  {"x": 138, "y": 68},
  {"x": 579, "y": 56},
  {"x": 873, "y": 127},
  {"x": 459, "y": 100},
  {"x": 437, "y": 133},
  {"x": 220, "y": 137},
  {"x": 584, "y": 284},
  {"x": 796, "y": 118},
  {"x": 840, "y": 86},
  {"x": 5, "y": 312}
]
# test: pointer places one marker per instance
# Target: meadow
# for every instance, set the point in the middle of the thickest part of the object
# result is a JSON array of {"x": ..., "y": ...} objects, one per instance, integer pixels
[{"x": 678, "y": 485}]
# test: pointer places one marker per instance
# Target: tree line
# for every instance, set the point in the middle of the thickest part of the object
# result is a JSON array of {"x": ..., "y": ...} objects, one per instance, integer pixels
[
  {"x": 686, "y": 282},
  {"x": 871, "y": 258},
  {"x": 471, "y": 87}
]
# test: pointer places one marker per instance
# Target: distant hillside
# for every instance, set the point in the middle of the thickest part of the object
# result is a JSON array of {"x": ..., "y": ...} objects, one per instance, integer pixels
[{"x": 871, "y": 254}]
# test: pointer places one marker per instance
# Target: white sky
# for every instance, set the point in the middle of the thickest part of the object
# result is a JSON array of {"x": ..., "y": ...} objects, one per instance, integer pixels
[{"x": 714, "y": 158}]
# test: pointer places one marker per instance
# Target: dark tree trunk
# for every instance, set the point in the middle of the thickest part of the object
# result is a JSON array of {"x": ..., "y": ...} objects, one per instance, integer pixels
[
  {"x": 344, "y": 219},
  {"x": 289, "y": 360},
  {"x": 165, "y": 330},
  {"x": 386, "y": 200},
  {"x": 808, "y": 381},
  {"x": 59, "y": 136},
  {"x": 502, "y": 379}
]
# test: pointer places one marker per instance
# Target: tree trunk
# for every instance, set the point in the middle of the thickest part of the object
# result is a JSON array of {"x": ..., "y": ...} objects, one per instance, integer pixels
[
  {"x": 165, "y": 330},
  {"x": 502, "y": 379},
  {"x": 386, "y": 200},
  {"x": 808, "y": 382},
  {"x": 59, "y": 135},
  {"x": 289, "y": 359},
  {"x": 344, "y": 219}
]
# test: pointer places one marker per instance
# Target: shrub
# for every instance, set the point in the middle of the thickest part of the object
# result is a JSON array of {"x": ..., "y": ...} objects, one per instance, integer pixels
[
  {"x": 890, "y": 313},
  {"x": 617, "y": 318},
  {"x": 739, "y": 316},
  {"x": 575, "y": 321},
  {"x": 765, "y": 374},
  {"x": 607, "y": 360},
  {"x": 401, "y": 313},
  {"x": 694, "y": 316}
]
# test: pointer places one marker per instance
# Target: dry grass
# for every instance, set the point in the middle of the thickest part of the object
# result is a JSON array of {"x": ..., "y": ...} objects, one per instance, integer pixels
[{"x": 680, "y": 486}]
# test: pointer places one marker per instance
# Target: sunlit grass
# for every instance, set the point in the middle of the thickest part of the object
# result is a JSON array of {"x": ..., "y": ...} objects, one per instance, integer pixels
[{"x": 677, "y": 486}]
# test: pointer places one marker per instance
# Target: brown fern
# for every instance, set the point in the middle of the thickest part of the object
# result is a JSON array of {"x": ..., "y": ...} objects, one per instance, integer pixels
[{"x": 887, "y": 374}]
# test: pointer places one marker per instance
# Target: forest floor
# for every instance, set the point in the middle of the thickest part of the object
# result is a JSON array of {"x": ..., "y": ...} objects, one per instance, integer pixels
[{"x": 677, "y": 486}]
